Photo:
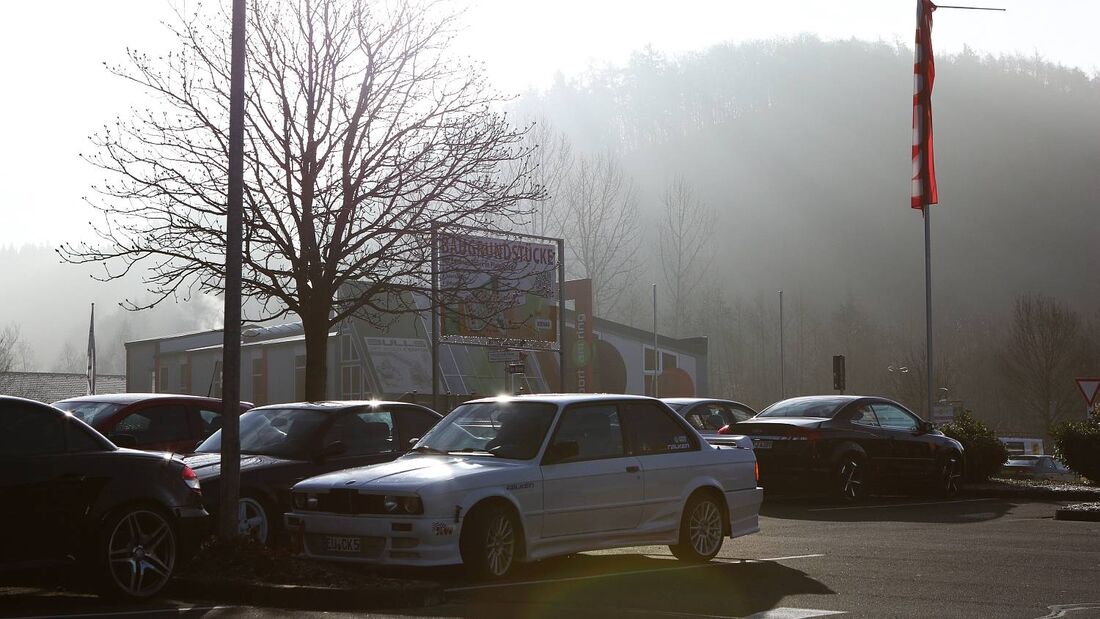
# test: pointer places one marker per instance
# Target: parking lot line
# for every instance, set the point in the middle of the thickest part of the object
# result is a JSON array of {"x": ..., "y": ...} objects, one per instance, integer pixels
[
  {"x": 146, "y": 612},
  {"x": 713, "y": 563},
  {"x": 837, "y": 509}
]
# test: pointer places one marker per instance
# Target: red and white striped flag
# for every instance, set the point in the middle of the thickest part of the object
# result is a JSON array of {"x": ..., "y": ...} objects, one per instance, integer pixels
[{"x": 924, "y": 73}]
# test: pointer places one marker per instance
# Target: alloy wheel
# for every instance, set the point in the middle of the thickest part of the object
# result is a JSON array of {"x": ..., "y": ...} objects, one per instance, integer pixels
[
  {"x": 252, "y": 520},
  {"x": 141, "y": 553},
  {"x": 851, "y": 479},
  {"x": 500, "y": 545},
  {"x": 951, "y": 476},
  {"x": 705, "y": 528}
]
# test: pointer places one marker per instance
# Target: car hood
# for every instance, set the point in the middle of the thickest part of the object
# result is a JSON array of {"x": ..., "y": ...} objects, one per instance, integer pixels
[
  {"x": 414, "y": 472},
  {"x": 208, "y": 465}
]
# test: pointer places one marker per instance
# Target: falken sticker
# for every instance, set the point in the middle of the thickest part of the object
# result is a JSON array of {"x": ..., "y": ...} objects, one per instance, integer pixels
[{"x": 520, "y": 486}]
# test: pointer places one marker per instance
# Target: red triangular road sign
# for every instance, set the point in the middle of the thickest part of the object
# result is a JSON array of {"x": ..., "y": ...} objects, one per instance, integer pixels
[{"x": 1089, "y": 387}]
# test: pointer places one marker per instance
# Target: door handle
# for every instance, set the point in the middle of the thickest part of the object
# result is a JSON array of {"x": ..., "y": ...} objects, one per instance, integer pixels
[{"x": 632, "y": 469}]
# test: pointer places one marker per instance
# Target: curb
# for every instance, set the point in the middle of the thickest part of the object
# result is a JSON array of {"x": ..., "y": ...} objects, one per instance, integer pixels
[
  {"x": 1032, "y": 493},
  {"x": 1082, "y": 515},
  {"x": 411, "y": 594}
]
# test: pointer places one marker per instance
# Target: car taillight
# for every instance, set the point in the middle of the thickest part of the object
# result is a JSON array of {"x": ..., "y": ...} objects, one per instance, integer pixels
[
  {"x": 756, "y": 472},
  {"x": 725, "y": 429},
  {"x": 191, "y": 479},
  {"x": 802, "y": 434}
]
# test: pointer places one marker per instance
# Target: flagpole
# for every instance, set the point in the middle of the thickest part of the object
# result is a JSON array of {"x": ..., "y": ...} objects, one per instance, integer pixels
[{"x": 928, "y": 294}]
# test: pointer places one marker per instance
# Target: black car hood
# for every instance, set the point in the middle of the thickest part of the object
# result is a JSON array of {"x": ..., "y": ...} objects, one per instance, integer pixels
[{"x": 209, "y": 466}]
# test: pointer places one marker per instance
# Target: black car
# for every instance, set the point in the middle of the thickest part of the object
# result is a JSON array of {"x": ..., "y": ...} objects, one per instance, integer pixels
[
  {"x": 70, "y": 496},
  {"x": 850, "y": 444},
  {"x": 283, "y": 444},
  {"x": 709, "y": 415}
]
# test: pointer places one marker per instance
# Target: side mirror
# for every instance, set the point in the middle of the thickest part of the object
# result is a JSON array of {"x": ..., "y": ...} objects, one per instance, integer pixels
[
  {"x": 128, "y": 441},
  {"x": 413, "y": 442},
  {"x": 926, "y": 427},
  {"x": 335, "y": 448},
  {"x": 562, "y": 451}
]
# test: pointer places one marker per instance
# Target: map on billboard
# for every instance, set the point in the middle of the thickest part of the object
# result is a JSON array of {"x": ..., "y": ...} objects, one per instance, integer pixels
[{"x": 495, "y": 290}]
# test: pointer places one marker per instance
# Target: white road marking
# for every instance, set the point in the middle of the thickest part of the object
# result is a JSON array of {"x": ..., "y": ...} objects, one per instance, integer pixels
[
  {"x": 837, "y": 509},
  {"x": 1061, "y": 610},
  {"x": 713, "y": 563},
  {"x": 148, "y": 611},
  {"x": 794, "y": 613}
]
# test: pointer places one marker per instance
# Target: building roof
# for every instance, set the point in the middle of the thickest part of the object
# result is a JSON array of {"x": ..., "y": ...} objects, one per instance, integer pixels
[{"x": 53, "y": 386}]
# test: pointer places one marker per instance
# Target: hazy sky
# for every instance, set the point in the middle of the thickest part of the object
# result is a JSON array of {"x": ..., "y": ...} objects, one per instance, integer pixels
[{"x": 55, "y": 91}]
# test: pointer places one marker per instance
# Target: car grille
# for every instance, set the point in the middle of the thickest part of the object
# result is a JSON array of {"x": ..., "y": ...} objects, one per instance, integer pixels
[{"x": 348, "y": 501}]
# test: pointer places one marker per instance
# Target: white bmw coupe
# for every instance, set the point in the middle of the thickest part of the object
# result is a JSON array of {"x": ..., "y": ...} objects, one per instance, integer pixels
[{"x": 504, "y": 480}]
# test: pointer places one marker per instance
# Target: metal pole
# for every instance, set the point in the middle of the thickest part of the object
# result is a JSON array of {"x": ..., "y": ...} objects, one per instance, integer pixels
[
  {"x": 435, "y": 315},
  {"x": 928, "y": 295},
  {"x": 656, "y": 353},
  {"x": 781, "y": 368},
  {"x": 228, "y": 526},
  {"x": 561, "y": 316}
]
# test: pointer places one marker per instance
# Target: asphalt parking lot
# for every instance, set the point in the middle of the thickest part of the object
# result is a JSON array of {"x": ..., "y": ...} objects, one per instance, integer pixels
[{"x": 890, "y": 557}]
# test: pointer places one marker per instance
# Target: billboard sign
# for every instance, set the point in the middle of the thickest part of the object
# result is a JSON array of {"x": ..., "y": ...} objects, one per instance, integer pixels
[{"x": 498, "y": 290}]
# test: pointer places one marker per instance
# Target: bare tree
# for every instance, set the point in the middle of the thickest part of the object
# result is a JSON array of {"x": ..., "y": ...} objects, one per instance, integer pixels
[
  {"x": 9, "y": 348},
  {"x": 684, "y": 248},
  {"x": 553, "y": 163},
  {"x": 71, "y": 360},
  {"x": 362, "y": 136},
  {"x": 1043, "y": 352},
  {"x": 600, "y": 221}
]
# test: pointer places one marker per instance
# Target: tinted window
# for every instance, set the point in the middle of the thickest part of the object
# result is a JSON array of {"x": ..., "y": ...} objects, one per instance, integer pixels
[
  {"x": 654, "y": 431},
  {"x": 823, "y": 408},
  {"x": 864, "y": 416},
  {"x": 414, "y": 423},
  {"x": 277, "y": 432},
  {"x": 713, "y": 417},
  {"x": 595, "y": 430},
  {"x": 890, "y": 416},
  {"x": 26, "y": 431},
  {"x": 157, "y": 424},
  {"x": 362, "y": 433},
  {"x": 79, "y": 438},
  {"x": 90, "y": 413},
  {"x": 209, "y": 422}
]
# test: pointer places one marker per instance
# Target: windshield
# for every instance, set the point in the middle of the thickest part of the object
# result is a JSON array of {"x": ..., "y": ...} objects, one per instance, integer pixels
[
  {"x": 89, "y": 412},
  {"x": 823, "y": 408},
  {"x": 504, "y": 429},
  {"x": 676, "y": 406},
  {"x": 278, "y": 432}
]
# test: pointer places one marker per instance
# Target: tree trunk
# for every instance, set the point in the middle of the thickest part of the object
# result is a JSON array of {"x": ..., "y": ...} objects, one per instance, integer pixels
[{"x": 316, "y": 326}]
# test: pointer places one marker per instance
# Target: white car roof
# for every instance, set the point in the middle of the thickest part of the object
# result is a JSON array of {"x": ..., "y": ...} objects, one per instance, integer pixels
[{"x": 562, "y": 399}]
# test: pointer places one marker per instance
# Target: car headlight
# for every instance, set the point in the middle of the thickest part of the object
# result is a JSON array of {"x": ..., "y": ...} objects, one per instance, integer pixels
[
  {"x": 304, "y": 500},
  {"x": 403, "y": 504}
]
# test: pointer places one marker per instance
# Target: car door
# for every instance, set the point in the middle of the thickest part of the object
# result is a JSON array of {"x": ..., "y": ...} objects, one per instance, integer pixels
[
  {"x": 913, "y": 451},
  {"x": 665, "y": 448},
  {"x": 30, "y": 520},
  {"x": 590, "y": 484},
  {"x": 867, "y": 432}
]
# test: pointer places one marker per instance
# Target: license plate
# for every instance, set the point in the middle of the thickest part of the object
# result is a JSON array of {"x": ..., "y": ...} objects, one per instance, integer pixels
[
  {"x": 761, "y": 444},
  {"x": 335, "y": 543}
]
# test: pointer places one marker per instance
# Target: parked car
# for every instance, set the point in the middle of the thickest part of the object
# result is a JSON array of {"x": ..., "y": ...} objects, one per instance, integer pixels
[
  {"x": 708, "y": 416},
  {"x": 505, "y": 480},
  {"x": 150, "y": 421},
  {"x": 68, "y": 495},
  {"x": 282, "y": 444},
  {"x": 1038, "y": 467},
  {"x": 850, "y": 444}
]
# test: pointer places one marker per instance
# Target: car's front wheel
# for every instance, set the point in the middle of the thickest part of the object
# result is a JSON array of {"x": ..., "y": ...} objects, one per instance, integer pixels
[
  {"x": 949, "y": 479},
  {"x": 137, "y": 551},
  {"x": 700, "y": 530},
  {"x": 252, "y": 520},
  {"x": 490, "y": 542}
]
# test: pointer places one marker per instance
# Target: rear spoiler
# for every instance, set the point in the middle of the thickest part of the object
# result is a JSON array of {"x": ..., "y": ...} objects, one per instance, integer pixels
[{"x": 731, "y": 440}]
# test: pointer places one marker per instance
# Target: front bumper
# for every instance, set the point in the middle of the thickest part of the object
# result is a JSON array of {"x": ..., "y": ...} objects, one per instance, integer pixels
[
  {"x": 382, "y": 539},
  {"x": 193, "y": 525}
]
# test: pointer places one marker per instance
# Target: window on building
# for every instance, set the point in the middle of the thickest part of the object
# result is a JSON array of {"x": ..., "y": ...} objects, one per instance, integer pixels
[
  {"x": 347, "y": 349},
  {"x": 259, "y": 381},
  {"x": 351, "y": 382},
  {"x": 185, "y": 376},
  {"x": 300, "y": 378},
  {"x": 216, "y": 386}
]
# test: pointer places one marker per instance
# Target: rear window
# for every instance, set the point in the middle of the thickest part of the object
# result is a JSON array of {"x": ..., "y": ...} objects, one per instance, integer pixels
[
  {"x": 89, "y": 412},
  {"x": 821, "y": 408}
]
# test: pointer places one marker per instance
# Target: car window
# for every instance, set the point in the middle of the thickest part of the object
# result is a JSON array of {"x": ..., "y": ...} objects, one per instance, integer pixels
[
  {"x": 505, "y": 429},
  {"x": 209, "y": 421},
  {"x": 712, "y": 417},
  {"x": 91, "y": 413},
  {"x": 81, "y": 439},
  {"x": 654, "y": 431},
  {"x": 26, "y": 431},
  {"x": 890, "y": 416},
  {"x": 362, "y": 433},
  {"x": 823, "y": 408},
  {"x": 414, "y": 423},
  {"x": 864, "y": 416},
  {"x": 741, "y": 413},
  {"x": 595, "y": 429},
  {"x": 156, "y": 424}
]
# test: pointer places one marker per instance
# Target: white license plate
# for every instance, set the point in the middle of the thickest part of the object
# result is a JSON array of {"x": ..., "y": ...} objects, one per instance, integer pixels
[
  {"x": 335, "y": 543},
  {"x": 761, "y": 444}
]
